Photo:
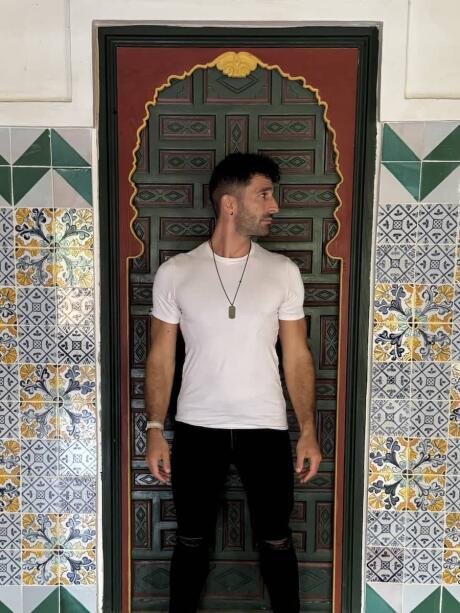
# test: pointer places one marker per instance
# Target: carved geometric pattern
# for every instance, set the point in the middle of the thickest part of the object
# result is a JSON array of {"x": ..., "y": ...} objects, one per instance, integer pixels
[
  {"x": 323, "y": 511},
  {"x": 151, "y": 578},
  {"x": 307, "y": 195},
  {"x": 326, "y": 389},
  {"x": 139, "y": 443},
  {"x": 253, "y": 89},
  {"x": 233, "y": 528},
  {"x": 141, "y": 524},
  {"x": 303, "y": 259},
  {"x": 137, "y": 388},
  {"x": 290, "y": 230},
  {"x": 165, "y": 254},
  {"x": 282, "y": 127},
  {"x": 141, "y": 228},
  {"x": 321, "y": 294},
  {"x": 292, "y": 162},
  {"x": 329, "y": 332},
  {"x": 186, "y": 161},
  {"x": 237, "y": 134},
  {"x": 299, "y": 512},
  {"x": 140, "y": 339},
  {"x": 185, "y": 229},
  {"x": 167, "y": 539},
  {"x": 329, "y": 265},
  {"x": 187, "y": 126},
  {"x": 141, "y": 293},
  {"x": 294, "y": 92},
  {"x": 167, "y": 510},
  {"x": 179, "y": 92},
  {"x": 299, "y": 540},
  {"x": 241, "y": 579},
  {"x": 326, "y": 433},
  {"x": 162, "y": 194},
  {"x": 315, "y": 585}
]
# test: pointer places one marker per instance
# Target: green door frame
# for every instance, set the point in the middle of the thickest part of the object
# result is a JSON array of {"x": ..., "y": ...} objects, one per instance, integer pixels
[{"x": 366, "y": 40}]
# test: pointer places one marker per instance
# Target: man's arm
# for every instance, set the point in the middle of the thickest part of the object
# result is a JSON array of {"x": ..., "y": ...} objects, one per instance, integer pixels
[
  {"x": 299, "y": 372},
  {"x": 159, "y": 374}
]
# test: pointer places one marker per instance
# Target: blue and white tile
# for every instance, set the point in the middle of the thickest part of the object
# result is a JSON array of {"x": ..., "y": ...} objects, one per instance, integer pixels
[
  {"x": 456, "y": 306},
  {"x": 390, "y": 417},
  {"x": 39, "y": 458},
  {"x": 6, "y": 228},
  {"x": 452, "y": 493},
  {"x": 77, "y": 419},
  {"x": 453, "y": 456},
  {"x": 391, "y": 380},
  {"x": 7, "y": 267},
  {"x": 10, "y": 567},
  {"x": 36, "y": 306},
  {"x": 40, "y": 495},
  {"x": 455, "y": 346},
  {"x": 77, "y": 495},
  {"x": 386, "y": 529},
  {"x": 429, "y": 419},
  {"x": 10, "y": 531},
  {"x": 75, "y": 306},
  {"x": 385, "y": 564},
  {"x": 430, "y": 381},
  {"x": 437, "y": 223},
  {"x": 9, "y": 419},
  {"x": 395, "y": 263},
  {"x": 434, "y": 264},
  {"x": 424, "y": 530},
  {"x": 76, "y": 345},
  {"x": 77, "y": 458},
  {"x": 37, "y": 344},
  {"x": 397, "y": 223},
  {"x": 422, "y": 565},
  {"x": 9, "y": 381}
]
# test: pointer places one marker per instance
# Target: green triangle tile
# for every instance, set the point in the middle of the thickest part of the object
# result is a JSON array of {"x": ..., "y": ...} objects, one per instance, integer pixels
[
  {"x": 24, "y": 179},
  {"x": 408, "y": 174},
  {"x": 50, "y": 604},
  {"x": 38, "y": 154},
  {"x": 63, "y": 153},
  {"x": 5, "y": 183},
  {"x": 375, "y": 603},
  {"x": 448, "y": 149},
  {"x": 69, "y": 604},
  {"x": 5, "y": 609},
  {"x": 431, "y": 604},
  {"x": 3, "y": 162},
  {"x": 432, "y": 175},
  {"x": 79, "y": 179},
  {"x": 395, "y": 149},
  {"x": 449, "y": 603}
]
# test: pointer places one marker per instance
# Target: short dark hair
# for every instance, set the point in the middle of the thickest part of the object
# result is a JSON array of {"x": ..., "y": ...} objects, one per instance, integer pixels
[{"x": 236, "y": 170}]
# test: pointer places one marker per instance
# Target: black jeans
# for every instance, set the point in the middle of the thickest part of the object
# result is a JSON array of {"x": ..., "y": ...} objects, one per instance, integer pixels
[{"x": 200, "y": 459}]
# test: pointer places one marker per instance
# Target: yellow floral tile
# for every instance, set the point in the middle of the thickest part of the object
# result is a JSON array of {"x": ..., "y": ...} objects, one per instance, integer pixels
[
  {"x": 10, "y": 490},
  {"x": 427, "y": 455},
  {"x": 7, "y": 306},
  {"x": 433, "y": 303},
  {"x": 34, "y": 228},
  {"x": 74, "y": 268},
  {"x": 454, "y": 419},
  {"x": 10, "y": 450},
  {"x": 393, "y": 302},
  {"x": 452, "y": 531},
  {"x": 38, "y": 383},
  {"x": 76, "y": 385},
  {"x": 35, "y": 267},
  {"x": 40, "y": 567},
  {"x": 391, "y": 345},
  {"x": 39, "y": 420},
  {"x": 451, "y": 565},
  {"x": 77, "y": 418},
  {"x": 40, "y": 531},
  {"x": 74, "y": 228},
  {"x": 78, "y": 567},
  {"x": 8, "y": 344},
  {"x": 77, "y": 532}
]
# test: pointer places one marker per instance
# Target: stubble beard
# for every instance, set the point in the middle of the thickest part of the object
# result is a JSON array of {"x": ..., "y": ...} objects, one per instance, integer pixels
[{"x": 249, "y": 225}]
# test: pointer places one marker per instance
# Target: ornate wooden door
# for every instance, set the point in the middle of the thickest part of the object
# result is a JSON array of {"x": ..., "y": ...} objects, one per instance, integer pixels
[{"x": 195, "y": 122}]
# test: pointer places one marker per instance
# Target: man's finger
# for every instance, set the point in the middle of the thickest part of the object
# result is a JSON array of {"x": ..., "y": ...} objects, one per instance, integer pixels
[
  {"x": 313, "y": 468},
  {"x": 299, "y": 462},
  {"x": 166, "y": 462}
]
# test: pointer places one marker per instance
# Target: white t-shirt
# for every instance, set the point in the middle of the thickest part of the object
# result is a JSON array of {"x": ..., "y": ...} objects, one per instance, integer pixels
[{"x": 230, "y": 377}]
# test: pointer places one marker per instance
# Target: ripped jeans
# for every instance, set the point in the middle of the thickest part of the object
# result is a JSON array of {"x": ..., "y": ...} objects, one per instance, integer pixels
[{"x": 200, "y": 460}]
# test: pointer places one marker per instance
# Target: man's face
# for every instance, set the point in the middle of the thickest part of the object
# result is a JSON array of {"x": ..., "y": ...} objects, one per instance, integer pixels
[{"x": 256, "y": 205}]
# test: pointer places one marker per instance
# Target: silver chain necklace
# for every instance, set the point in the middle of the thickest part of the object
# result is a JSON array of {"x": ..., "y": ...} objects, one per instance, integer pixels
[{"x": 232, "y": 307}]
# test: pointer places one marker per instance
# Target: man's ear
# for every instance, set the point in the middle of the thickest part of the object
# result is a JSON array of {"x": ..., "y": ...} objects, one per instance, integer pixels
[{"x": 228, "y": 204}]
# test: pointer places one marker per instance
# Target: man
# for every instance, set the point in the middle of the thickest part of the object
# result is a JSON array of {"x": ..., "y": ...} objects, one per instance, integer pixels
[{"x": 232, "y": 299}]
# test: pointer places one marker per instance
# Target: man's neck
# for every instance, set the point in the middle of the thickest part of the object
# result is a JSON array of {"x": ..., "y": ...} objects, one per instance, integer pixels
[{"x": 230, "y": 245}]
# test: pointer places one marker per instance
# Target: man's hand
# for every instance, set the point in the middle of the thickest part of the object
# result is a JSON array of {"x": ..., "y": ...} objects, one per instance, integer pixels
[
  {"x": 307, "y": 449},
  {"x": 157, "y": 455}
]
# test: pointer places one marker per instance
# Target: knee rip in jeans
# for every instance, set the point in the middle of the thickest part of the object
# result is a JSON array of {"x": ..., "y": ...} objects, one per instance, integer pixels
[
  {"x": 278, "y": 544},
  {"x": 192, "y": 542}
]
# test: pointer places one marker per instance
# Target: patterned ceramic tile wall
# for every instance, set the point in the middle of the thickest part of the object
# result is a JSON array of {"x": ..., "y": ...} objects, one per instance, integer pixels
[
  {"x": 413, "y": 529},
  {"x": 47, "y": 372}
]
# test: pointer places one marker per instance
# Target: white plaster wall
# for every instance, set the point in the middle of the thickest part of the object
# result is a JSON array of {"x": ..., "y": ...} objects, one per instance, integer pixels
[{"x": 41, "y": 72}]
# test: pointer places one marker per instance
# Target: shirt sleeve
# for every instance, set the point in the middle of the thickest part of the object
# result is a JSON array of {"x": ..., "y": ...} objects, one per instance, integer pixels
[
  {"x": 165, "y": 306},
  {"x": 292, "y": 306}
]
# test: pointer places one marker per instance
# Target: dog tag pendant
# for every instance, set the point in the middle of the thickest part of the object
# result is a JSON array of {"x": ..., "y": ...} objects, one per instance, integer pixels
[{"x": 232, "y": 311}]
